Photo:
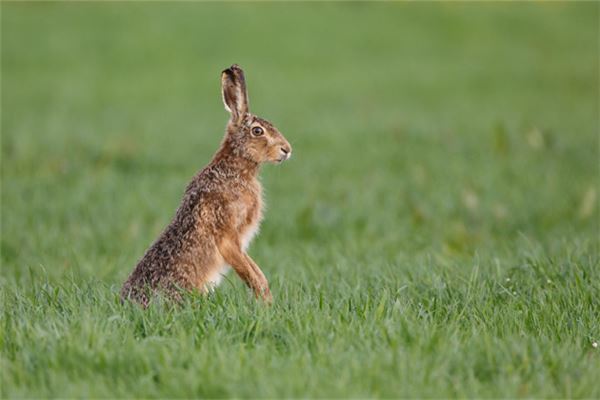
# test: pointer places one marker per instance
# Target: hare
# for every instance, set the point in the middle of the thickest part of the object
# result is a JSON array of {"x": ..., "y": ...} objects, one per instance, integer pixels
[{"x": 220, "y": 212}]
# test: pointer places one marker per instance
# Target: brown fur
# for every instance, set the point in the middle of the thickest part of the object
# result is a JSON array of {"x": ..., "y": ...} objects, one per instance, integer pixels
[{"x": 221, "y": 207}]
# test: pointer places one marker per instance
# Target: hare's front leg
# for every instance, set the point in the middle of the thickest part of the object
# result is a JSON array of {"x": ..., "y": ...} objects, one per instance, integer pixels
[
  {"x": 231, "y": 250},
  {"x": 264, "y": 284}
]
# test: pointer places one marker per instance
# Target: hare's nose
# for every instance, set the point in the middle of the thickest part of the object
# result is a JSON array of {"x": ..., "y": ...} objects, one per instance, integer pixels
[{"x": 286, "y": 151}]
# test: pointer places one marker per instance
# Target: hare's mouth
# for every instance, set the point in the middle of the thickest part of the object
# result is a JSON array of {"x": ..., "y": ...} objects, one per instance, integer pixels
[{"x": 283, "y": 157}]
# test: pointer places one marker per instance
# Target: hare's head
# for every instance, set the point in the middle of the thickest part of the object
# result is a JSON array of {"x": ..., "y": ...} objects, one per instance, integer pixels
[{"x": 250, "y": 136}]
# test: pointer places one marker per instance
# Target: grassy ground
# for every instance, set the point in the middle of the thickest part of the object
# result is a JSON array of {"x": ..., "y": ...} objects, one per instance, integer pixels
[{"x": 435, "y": 234}]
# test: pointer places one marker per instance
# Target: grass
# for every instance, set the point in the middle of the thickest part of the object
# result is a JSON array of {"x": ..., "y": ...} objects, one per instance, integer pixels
[{"x": 435, "y": 235}]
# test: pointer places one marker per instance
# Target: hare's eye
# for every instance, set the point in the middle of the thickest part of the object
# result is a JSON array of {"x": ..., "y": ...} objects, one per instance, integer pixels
[{"x": 257, "y": 131}]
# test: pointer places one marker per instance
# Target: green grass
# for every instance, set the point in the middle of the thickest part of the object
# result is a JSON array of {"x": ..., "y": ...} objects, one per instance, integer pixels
[{"x": 435, "y": 235}]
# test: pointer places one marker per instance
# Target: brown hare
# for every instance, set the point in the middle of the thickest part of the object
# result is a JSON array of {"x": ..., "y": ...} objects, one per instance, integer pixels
[{"x": 220, "y": 212}]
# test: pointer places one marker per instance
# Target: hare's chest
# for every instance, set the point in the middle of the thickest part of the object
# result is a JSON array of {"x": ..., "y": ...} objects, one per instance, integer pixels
[{"x": 249, "y": 216}]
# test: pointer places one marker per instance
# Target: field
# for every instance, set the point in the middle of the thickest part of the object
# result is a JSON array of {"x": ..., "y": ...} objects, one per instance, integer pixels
[{"x": 436, "y": 233}]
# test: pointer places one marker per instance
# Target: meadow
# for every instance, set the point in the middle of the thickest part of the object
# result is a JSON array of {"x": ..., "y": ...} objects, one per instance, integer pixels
[{"x": 436, "y": 233}]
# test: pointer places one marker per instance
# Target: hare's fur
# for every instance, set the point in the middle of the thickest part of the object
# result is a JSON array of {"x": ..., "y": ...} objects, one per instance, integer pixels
[{"x": 220, "y": 212}]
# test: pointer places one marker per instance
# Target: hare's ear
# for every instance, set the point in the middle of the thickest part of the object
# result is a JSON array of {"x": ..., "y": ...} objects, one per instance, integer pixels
[{"x": 233, "y": 87}]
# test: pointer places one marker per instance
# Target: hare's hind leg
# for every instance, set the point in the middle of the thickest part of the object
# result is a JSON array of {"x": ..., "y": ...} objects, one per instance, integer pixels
[
  {"x": 213, "y": 272},
  {"x": 205, "y": 267},
  {"x": 216, "y": 276}
]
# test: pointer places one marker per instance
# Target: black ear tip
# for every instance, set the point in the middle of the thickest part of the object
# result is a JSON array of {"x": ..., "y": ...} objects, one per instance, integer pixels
[{"x": 234, "y": 69}]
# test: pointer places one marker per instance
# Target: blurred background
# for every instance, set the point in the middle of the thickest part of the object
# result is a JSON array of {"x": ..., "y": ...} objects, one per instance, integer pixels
[{"x": 420, "y": 131}]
